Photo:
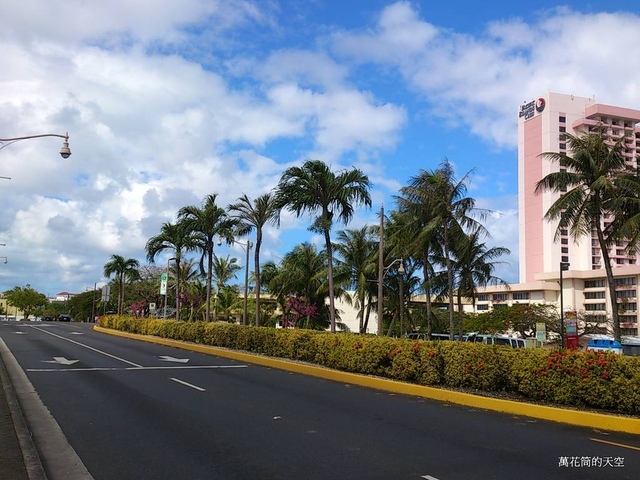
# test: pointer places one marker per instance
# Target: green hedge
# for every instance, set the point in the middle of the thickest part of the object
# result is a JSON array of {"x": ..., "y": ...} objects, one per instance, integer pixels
[{"x": 585, "y": 379}]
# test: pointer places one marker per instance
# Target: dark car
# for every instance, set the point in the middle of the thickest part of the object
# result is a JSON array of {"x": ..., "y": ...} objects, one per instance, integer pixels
[
  {"x": 64, "y": 318},
  {"x": 47, "y": 319}
]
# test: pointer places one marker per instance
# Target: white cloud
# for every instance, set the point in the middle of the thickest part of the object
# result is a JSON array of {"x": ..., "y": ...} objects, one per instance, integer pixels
[{"x": 166, "y": 103}]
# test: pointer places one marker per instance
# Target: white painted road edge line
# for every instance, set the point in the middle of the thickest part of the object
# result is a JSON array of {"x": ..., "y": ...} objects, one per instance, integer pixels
[{"x": 188, "y": 385}]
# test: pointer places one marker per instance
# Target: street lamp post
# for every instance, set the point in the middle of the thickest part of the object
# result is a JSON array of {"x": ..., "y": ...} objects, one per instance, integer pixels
[
  {"x": 65, "y": 151},
  {"x": 247, "y": 247},
  {"x": 166, "y": 293},
  {"x": 563, "y": 266}
]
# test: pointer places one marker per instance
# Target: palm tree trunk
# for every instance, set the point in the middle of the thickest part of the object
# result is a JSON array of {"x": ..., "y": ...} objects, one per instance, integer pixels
[
  {"x": 332, "y": 311},
  {"x": 257, "y": 275},
  {"x": 427, "y": 292},
  {"x": 209, "y": 279},
  {"x": 366, "y": 320},
  {"x": 177, "y": 289},
  {"x": 452, "y": 325},
  {"x": 610, "y": 283},
  {"x": 121, "y": 294},
  {"x": 361, "y": 313}
]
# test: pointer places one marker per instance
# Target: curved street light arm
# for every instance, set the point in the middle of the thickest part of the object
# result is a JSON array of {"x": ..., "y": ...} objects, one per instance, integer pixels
[{"x": 65, "y": 151}]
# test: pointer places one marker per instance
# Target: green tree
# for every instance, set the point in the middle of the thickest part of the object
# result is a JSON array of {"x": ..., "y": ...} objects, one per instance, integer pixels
[
  {"x": 315, "y": 189},
  {"x": 83, "y": 306},
  {"x": 26, "y": 299},
  {"x": 447, "y": 213},
  {"x": 206, "y": 223},
  {"x": 224, "y": 270},
  {"x": 175, "y": 237},
  {"x": 592, "y": 183},
  {"x": 256, "y": 214},
  {"x": 125, "y": 270},
  {"x": 358, "y": 249},
  {"x": 474, "y": 267}
]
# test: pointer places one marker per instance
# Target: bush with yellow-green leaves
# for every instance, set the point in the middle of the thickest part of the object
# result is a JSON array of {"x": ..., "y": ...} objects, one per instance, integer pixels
[{"x": 596, "y": 380}]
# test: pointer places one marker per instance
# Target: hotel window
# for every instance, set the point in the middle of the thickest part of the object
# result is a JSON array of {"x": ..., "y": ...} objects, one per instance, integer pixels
[
  {"x": 563, "y": 129},
  {"x": 593, "y": 295},
  {"x": 563, "y": 146},
  {"x": 565, "y": 259},
  {"x": 562, "y": 119},
  {"x": 483, "y": 297},
  {"x": 565, "y": 249},
  {"x": 499, "y": 297},
  {"x": 564, "y": 232},
  {"x": 624, "y": 281},
  {"x": 594, "y": 306},
  {"x": 521, "y": 295},
  {"x": 626, "y": 294},
  {"x": 484, "y": 306},
  {"x": 593, "y": 283},
  {"x": 564, "y": 241}
]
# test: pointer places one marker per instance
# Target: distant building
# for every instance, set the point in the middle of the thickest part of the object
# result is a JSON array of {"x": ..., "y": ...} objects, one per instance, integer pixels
[{"x": 541, "y": 125}]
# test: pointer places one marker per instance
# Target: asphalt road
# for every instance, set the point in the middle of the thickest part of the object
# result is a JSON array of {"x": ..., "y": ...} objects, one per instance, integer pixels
[{"x": 134, "y": 410}]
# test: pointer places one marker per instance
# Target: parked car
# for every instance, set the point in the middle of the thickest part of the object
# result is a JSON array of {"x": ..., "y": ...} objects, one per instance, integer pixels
[
  {"x": 64, "y": 318},
  {"x": 47, "y": 319}
]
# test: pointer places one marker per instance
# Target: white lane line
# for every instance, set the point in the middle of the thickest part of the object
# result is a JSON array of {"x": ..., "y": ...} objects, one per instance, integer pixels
[
  {"x": 87, "y": 346},
  {"x": 195, "y": 387},
  {"x": 125, "y": 369}
]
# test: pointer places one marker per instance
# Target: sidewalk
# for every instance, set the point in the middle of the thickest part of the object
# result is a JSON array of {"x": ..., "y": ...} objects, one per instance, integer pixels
[{"x": 12, "y": 463}]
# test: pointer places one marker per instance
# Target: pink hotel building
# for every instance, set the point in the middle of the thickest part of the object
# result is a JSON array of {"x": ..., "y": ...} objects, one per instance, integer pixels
[{"x": 541, "y": 125}]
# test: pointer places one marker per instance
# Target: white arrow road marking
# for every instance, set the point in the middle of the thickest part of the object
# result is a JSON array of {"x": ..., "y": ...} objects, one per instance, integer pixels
[
  {"x": 428, "y": 477},
  {"x": 61, "y": 361},
  {"x": 195, "y": 387},
  {"x": 87, "y": 346},
  {"x": 20, "y": 333},
  {"x": 166, "y": 358},
  {"x": 77, "y": 333}
]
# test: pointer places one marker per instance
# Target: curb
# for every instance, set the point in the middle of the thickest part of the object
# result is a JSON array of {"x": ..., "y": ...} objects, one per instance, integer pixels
[
  {"x": 32, "y": 464},
  {"x": 47, "y": 452},
  {"x": 592, "y": 420}
]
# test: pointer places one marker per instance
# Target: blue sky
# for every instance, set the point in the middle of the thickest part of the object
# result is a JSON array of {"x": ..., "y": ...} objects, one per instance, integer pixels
[{"x": 166, "y": 102}]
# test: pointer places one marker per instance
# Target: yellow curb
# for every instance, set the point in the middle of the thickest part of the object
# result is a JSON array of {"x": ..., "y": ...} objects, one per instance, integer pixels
[{"x": 596, "y": 421}]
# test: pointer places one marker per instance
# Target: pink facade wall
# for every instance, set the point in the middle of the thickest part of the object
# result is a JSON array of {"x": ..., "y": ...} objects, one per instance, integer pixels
[{"x": 533, "y": 208}]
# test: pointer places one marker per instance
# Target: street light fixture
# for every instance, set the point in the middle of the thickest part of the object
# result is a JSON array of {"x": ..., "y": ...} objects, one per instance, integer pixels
[
  {"x": 5, "y": 259},
  {"x": 65, "y": 151},
  {"x": 563, "y": 266}
]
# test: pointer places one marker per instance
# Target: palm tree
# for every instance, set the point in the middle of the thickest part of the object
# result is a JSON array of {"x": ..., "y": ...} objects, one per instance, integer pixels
[
  {"x": 449, "y": 213},
  {"x": 413, "y": 236},
  {"x": 315, "y": 189},
  {"x": 474, "y": 267},
  {"x": 224, "y": 269},
  {"x": 124, "y": 269},
  {"x": 175, "y": 237},
  {"x": 596, "y": 183},
  {"x": 256, "y": 214},
  {"x": 358, "y": 250},
  {"x": 206, "y": 223}
]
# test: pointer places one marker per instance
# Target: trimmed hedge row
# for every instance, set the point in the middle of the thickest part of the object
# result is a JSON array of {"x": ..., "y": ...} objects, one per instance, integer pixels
[{"x": 583, "y": 379}]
